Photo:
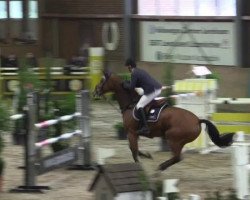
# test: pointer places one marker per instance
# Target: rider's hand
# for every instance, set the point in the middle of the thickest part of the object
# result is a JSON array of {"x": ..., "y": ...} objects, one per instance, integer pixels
[
  {"x": 126, "y": 84},
  {"x": 140, "y": 91}
]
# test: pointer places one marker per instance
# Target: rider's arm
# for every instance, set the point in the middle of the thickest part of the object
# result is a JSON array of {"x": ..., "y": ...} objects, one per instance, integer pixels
[
  {"x": 130, "y": 84},
  {"x": 134, "y": 78}
]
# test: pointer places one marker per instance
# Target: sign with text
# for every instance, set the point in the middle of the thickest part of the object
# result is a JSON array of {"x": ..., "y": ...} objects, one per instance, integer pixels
[{"x": 210, "y": 43}]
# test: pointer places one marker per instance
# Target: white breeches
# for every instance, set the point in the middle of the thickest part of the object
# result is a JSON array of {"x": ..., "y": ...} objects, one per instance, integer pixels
[{"x": 145, "y": 99}]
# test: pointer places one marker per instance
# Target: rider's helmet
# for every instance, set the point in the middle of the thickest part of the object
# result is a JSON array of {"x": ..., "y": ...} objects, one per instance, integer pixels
[{"x": 130, "y": 62}]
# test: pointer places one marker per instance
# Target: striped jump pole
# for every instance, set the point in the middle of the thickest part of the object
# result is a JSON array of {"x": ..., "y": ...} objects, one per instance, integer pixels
[
  {"x": 231, "y": 121},
  {"x": 19, "y": 127},
  {"x": 16, "y": 116},
  {"x": 227, "y": 122},
  {"x": 30, "y": 150},
  {"x": 187, "y": 95},
  {"x": 56, "y": 139},
  {"x": 51, "y": 122},
  {"x": 80, "y": 155},
  {"x": 238, "y": 101}
]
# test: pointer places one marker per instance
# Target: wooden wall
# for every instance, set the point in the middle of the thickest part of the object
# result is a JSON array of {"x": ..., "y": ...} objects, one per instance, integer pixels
[
  {"x": 83, "y": 6},
  {"x": 72, "y": 24},
  {"x": 66, "y": 25},
  {"x": 64, "y": 37}
]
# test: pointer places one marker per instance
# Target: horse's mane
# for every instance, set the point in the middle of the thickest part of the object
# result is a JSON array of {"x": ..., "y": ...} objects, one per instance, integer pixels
[{"x": 126, "y": 98}]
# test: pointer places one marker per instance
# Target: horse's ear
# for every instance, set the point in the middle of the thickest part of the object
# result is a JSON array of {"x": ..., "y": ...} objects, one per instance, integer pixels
[{"x": 106, "y": 73}]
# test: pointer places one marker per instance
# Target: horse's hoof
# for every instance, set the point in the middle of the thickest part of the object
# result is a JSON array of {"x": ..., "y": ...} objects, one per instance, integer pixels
[
  {"x": 161, "y": 167},
  {"x": 145, "y": 155},
  {"x": 150, "y": 156}
]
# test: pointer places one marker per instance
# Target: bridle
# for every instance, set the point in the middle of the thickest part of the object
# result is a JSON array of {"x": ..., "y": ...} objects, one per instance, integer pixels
[
  {"x": 99, "y": 88},
  {"x": 99, "y": 91}
]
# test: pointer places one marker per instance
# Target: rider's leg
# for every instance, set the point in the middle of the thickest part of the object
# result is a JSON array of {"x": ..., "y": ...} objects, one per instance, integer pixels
[
  {"x": 145, "y": 99},
  {"x": 144, "y": 129}
]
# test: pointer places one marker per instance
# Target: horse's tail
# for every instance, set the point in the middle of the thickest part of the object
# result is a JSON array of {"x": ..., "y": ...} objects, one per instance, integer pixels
[{"x": 223, "y": 140}]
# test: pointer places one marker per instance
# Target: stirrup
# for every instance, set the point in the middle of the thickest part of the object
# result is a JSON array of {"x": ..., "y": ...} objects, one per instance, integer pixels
[{"x": 143, "y": 131}]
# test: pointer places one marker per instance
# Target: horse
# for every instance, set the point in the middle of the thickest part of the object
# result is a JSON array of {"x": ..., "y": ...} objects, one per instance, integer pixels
[{"x": 178, "y": 126}]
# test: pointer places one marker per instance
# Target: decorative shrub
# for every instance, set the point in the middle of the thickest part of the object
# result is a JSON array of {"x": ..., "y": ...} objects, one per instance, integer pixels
[
  {"x": 125, "y": 76},
  {"x": 1, "y": 144},
  {"x": 118, "y": 126},
  {"x": 214, "y": 75},
  {"x": 4, "y": 126},
  {"x": 121, "y": 133},
  {"x": 4, "y": 116},
  {"x": 1, "y": 166},
  {"x": 65, "y": 106},
  {"x": 168, "y": 81}
]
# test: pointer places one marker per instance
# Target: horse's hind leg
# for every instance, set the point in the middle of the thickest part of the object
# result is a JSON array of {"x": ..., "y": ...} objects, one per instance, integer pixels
[{"x": 176, "y": 150}]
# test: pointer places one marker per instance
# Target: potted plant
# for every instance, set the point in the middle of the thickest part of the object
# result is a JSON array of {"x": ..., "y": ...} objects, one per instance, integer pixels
[
  {"x": 63, "y": 107},
  {"x": 120, "y": 130},
  {"x": 1, "y": 173},
  {"x": 28, "y": 81},
  {"x": 168, "y": 80},
  {"x": 4, "y": 126}
]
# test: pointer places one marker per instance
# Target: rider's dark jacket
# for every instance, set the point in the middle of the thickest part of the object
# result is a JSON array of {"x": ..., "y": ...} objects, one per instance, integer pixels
[{"x": 140, "y": 78}]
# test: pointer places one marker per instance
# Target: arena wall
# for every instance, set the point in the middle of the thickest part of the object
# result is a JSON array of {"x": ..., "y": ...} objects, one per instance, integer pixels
[{"x": 66, "y": 25}]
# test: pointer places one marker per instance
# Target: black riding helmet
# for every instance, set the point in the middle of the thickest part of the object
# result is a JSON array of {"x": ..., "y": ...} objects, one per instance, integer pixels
[{"x": 130, "y": 62}]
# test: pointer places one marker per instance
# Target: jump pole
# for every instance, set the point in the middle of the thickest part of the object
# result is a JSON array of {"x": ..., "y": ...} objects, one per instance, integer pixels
[
  {"x": 240, "y": 159},
  {"x": 30, "y": 118},
  {"x": 84, "y": 151}
]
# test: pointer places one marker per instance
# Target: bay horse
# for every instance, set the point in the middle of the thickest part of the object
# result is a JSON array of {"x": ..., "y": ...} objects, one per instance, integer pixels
[{"x": 178, "y": 126}]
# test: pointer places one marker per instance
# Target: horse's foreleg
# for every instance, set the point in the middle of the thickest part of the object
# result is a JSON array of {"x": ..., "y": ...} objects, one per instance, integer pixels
[
  {"x": 176, "y": 150},
  {"x": 133, "y": 145}
]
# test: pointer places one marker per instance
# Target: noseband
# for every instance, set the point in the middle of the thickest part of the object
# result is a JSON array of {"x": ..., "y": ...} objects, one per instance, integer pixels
[{"x": 102, "y": 83}]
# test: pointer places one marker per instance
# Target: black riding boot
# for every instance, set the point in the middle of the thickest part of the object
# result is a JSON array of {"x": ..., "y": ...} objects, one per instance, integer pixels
[{"x": 144, "y": 129}]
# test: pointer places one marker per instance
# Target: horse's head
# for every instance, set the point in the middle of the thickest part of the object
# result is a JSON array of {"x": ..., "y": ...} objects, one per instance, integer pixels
[
  {"x": 113, "y": 83},
  {"x": 106, "y": 84}
]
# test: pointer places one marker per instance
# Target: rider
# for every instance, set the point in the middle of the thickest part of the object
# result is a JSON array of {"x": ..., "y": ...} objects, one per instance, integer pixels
[{"x": 151, "y": 87}]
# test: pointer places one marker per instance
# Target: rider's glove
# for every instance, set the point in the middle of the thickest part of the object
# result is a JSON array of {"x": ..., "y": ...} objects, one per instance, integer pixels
[{"x": 139, "y": 91}]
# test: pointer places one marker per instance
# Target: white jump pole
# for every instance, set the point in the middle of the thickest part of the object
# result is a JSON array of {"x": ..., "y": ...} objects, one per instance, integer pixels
[{"x": 240, "y": 160}]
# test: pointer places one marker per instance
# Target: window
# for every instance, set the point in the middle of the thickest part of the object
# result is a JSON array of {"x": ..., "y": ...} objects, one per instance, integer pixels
[
  {"x": 208, "y": 8},
  {"x": 147, "y": 7},
  {"x": 33, "y": 22},
  {"x": 167, "y": 7},
  {"x": 187, "y": 7},
  {"x": 33, "y": 9},
  {"x": 3, "y": 10},
  {"x": 20, "y": 30},
  {"x": 227, "y": 7},
  {"x": 16, "y": 9}
]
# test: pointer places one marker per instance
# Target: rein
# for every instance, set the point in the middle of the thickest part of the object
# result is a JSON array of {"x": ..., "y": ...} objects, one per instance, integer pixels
[
  {"x": 115, "y": 107},
  {"x": 122, "y": 109}
]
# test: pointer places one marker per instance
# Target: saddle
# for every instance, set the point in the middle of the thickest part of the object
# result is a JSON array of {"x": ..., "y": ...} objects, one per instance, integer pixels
[{"x": 153, "y": 109}]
